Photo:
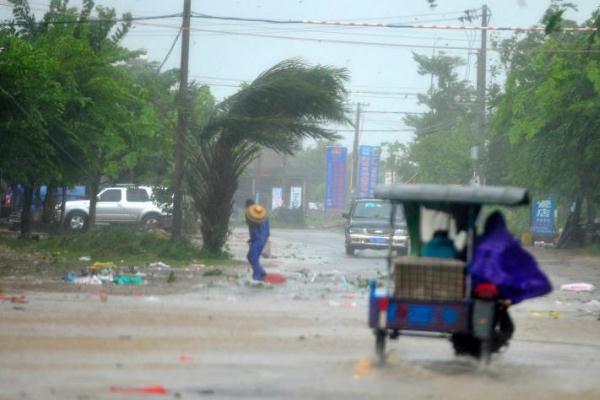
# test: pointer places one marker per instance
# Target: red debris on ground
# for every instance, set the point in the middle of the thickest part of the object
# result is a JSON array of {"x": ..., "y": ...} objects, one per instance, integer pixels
[
  {"x": 139, "y": 390},
  {"x": 275, "y": 278}
]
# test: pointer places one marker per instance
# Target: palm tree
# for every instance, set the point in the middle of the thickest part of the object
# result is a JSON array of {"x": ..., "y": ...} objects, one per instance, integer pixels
[{"x": 284, "y": 105}]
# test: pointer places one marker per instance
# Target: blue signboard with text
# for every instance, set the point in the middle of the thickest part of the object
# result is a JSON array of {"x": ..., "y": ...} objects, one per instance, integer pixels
[
  {"x": 543, "y": 214},
  {"x": 368, "y": 170},
  {"x": 335, "y": 180}
]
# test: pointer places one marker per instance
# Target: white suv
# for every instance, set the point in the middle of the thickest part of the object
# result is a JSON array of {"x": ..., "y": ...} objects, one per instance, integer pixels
[{"x": 116, "y": 205}]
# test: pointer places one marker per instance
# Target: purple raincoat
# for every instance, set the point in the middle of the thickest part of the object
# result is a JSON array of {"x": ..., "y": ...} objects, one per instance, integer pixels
[{"x": 500, "y": 259}]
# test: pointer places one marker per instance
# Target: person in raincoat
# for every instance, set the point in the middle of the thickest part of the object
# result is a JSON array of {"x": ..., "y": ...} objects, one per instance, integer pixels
[
  {"x": 258, "y": 227},
  {"x": 500, "y": 261}
]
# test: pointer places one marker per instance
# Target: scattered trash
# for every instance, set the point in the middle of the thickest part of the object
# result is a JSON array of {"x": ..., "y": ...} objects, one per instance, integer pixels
[
  {"x": 361, "y": 368},
  {"x": 102, "y": 265},
  {"x": 129, "y": 280},
  {"x": 578, "y": 287},
  {"x": 275, "y": 278},
  {"x": 152, "y": 299},
  {"x": 160, "y": 265},
  {"x": 184, "y": 358},
  {"x": 70, "y": 277},
  {"x": 139, "y": 390},
  {"x": 85, "y": 258},
  {"x": 88, "y": 280},
  {"x": 18, "y": 299},
  {"x": 334, "y": 303},
  {"x": 106, "y": 278},
  {"x": 591, "y": 307},
  {"x": 549, "y": 314},
  {"x": 19, "y": 308}
]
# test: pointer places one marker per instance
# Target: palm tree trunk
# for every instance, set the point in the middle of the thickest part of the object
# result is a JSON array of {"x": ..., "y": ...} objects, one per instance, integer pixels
[{"x": 215, "y": 206}]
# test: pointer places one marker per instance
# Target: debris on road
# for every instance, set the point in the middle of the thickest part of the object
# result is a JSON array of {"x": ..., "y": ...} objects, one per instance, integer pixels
[
  {"x": 97, "y": 266},
  {"x": 549, "y": 314},
  {"x": 129, "y": 280},
  {"x": 18, "y": 299},
  {"x": 158, "y": 389},
  {"x": 578, "y": 287},
  {"x": 160, "y": 265},
  {"x": 275, "y": 278},
  {"x": 87, "y": 280}
]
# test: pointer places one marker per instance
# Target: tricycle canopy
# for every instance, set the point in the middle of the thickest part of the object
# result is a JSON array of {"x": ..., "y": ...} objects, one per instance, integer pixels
[{"x": 457, "y": 194}]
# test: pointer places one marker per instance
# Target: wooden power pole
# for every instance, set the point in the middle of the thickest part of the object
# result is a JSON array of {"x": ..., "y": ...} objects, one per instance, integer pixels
[
  {"x": 481, "y": 86},
  {"x": 182, "y": 121},
  {"x": 355, "y": 148}
]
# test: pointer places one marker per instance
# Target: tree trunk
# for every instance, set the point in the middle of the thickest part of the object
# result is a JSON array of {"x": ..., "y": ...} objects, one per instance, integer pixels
[
  {"x": 572, "y": 235},
  {"x": 49, "y": 204},
  {"x": 93, "y": 198},
  {"x": 63, "y": 206},
  {"x": 26, "y": 211},
  {"x": 213, "y": 190}
]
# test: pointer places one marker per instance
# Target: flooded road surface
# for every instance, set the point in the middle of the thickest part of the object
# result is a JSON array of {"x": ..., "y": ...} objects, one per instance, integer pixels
[{"x": 306, "y": 339}]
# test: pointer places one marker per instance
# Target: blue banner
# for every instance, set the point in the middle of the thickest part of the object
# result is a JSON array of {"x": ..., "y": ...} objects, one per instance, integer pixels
[
  {"x": 543, "y": 217},
  {"x": 368, "y": 170},
  {"x": 335, "y": 181}
]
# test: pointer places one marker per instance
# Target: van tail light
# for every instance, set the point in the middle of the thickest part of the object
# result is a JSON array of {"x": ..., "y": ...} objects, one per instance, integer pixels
[{"x": 486, "y": 291}]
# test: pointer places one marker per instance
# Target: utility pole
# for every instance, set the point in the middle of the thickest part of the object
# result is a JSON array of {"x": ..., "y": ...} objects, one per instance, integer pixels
[
  {"x": 181, "y": 121},
  {"x": 481, "y": 86},
  {"x": 355, "y": 147}
]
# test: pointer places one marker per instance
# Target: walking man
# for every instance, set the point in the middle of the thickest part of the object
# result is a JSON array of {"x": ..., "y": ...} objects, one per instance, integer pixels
[{"x": 258, "y": 226}]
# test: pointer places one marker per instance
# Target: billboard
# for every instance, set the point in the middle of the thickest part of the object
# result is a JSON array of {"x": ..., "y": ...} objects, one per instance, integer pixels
[
  {"x": 276, "y": 198},
  {"x": 543, "y": 217},
  {"x": 295, "y": 197},
  {"x": 335, "y": 179},
  {"x": 368, "y": 170}
]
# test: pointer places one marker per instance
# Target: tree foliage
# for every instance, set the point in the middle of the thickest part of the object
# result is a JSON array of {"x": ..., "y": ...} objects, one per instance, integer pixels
[{"x": 444, "y": 132}]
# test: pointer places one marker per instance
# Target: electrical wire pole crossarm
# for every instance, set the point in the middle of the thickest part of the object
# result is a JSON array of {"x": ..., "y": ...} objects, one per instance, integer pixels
[{"x": 181, "y": 122}]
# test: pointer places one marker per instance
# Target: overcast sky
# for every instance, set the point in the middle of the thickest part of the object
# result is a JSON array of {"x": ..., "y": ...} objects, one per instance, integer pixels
[{"x": 384, "y": 78}]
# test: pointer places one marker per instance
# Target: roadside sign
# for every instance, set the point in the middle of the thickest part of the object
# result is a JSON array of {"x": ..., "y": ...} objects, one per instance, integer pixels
[
  {"x": 543, "y": 217},
  {"x": 368, "y": 170},
  {"x": 335, "y": 182}
]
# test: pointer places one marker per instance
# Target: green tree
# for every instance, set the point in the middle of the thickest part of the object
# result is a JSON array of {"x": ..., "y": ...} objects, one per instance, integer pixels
[
  {"x": 548, "y": 115},
  {"x": 284, "y": 105},
  {"x": 444, "y": 133}
]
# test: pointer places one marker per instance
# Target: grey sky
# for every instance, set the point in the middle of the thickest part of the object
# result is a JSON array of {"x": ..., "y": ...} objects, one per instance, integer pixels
[{"x": 223, "y": 60}]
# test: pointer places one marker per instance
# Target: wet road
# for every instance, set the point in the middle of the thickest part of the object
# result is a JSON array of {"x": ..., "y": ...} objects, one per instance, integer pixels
[{"x": 307, "y": 339}]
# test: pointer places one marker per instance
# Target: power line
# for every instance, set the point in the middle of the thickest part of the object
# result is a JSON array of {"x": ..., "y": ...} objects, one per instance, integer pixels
[
  {"x": 376, "y": 44},
  {"x": 93, "y": 20},
  {"x": 387, "y": 25},
  {"x": 170, "y": 50}
]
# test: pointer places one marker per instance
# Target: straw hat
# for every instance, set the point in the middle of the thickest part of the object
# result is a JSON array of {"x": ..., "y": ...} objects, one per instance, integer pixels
[{"x": 256, "y": 213}]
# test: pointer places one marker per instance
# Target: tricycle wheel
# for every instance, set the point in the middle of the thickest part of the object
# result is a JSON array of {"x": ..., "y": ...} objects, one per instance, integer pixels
[
  {"x": 485, "y": 354},
  {"x": 380, "y": 336}
]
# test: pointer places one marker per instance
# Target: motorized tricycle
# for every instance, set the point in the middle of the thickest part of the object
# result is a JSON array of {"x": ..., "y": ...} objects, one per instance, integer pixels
[{"x": 433, "y": 295}]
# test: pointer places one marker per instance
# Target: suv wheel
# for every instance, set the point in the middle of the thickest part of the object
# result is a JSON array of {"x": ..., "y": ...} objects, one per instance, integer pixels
[
  {"x": 151, "y": 220},
  {"x": 350, "y": 251},
  {"x": 76, "y": 221}
]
